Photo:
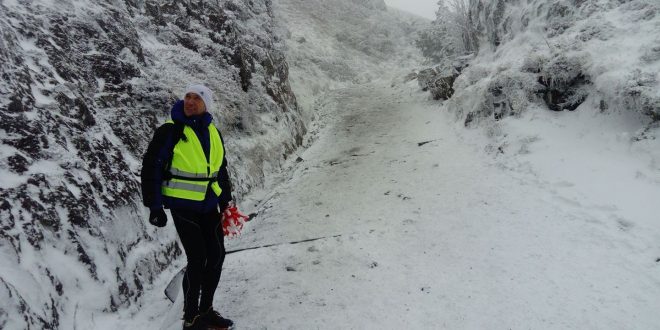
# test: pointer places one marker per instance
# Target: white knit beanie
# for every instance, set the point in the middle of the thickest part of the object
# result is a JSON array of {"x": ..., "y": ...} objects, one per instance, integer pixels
[{"x": 203, "y": 92}]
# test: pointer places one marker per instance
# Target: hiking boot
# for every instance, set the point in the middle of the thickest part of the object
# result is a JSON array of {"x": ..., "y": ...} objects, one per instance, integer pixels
[
  {"x": 195, "y": 324},
  {"x": 214, "y": 320}
]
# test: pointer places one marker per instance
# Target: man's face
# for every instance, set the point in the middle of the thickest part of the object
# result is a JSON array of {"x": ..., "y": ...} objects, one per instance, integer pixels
[{"x": 193, "y": 105}]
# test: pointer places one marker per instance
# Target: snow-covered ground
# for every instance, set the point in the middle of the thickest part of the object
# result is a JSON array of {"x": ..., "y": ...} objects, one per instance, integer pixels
[
  {"x": 440, "y": 236},
  {"x": 425, "y": 230}
]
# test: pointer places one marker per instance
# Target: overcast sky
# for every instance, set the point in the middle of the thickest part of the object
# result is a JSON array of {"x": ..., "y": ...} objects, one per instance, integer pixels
[{"x": 424, "y": 8}]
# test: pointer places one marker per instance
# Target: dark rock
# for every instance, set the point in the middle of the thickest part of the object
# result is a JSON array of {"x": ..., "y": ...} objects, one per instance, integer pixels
[
  {"x": 18, "y": 163},
  {"x": 8, "y": 218},
  {"x": 469, "y": 118},
  {"x": 241, "y": 60},
  {"x": 83, "y": 257},
  {"x": 112, "y": 70},
  {"x": 442, "y": 87},
  {"x": 15, "y": 105},
  {"x": 438, "y": 81},
  {"x": 84, "y": 113}
]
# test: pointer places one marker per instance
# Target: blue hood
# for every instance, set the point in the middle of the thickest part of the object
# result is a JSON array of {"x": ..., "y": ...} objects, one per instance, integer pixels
[{"x": 195, "y": 122}]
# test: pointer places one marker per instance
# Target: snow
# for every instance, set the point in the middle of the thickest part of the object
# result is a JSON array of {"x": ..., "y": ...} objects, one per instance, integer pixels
[
  {"x": 11, "y": 180},
  {"x": 438, "y": 234},
  {"x": 590, "y": 154},
  {"x": 444, "y": 235},
  {"x": 9, "y": 3}
]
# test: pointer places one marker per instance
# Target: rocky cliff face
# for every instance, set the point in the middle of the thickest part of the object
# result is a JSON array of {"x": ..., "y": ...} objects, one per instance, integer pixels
[{"x": 85, "y": 83}]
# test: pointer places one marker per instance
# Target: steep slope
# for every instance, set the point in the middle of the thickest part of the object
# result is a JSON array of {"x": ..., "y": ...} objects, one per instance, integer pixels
[
  {"x": 334, "y": 44},
  {"x": 84, "y": 86}
]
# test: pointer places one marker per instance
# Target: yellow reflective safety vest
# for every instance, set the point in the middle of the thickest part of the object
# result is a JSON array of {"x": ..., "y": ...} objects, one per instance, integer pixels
[{"x": 190, "y": 172}]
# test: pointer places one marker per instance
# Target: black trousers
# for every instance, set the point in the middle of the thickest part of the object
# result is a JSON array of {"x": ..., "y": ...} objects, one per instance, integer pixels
[{"x": 203, "y": 242}]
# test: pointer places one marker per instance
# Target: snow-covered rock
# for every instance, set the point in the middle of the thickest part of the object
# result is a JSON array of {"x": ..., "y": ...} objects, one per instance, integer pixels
[
  {"x": 85, "y": 83},
  {"x": 561, "y": 54}
]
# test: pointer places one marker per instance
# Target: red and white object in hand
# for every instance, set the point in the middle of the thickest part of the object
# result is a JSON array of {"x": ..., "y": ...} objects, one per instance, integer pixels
[{"x": 233, "y": 220}]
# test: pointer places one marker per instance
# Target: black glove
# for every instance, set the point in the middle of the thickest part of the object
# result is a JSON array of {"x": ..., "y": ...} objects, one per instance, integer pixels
[
  {"x": 158, "y": 217},
  {"x": 224, "y": 199},
  {"x": 223, "y": 205}
]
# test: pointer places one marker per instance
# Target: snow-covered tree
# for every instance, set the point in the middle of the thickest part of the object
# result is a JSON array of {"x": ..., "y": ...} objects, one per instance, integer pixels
[{"x": 451, "y": 34}]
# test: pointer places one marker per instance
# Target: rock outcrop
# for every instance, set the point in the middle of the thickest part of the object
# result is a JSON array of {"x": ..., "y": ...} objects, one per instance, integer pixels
[{"x": 84, "y": 86}]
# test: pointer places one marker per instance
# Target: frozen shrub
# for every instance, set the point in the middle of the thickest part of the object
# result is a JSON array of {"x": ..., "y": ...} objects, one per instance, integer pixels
[
  {"x": 471, "y": 76},
  {"x": 641, "y": 93},
  {"x": 560, "y": 15},
  {"x": 533, "y": 63},
  {"x": 561, "y": 71},
  {"x": 494, "y": 21},
  {"x": 435, "y": 45},
  {"x": 511, "y": 92},
  {"x": 596, "y": 30},
  {"x": 558, "y": 52},
  {"x": 507, "y": 94},
  {"x": 641, "y": 10},
  {"x": 565, "y": 82},
  {"x": 470, "y": 104}
]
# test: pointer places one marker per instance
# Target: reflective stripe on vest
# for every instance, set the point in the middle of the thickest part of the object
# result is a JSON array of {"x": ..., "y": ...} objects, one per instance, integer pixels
[
  {"x": 184, "y": 174},
  {"x": 189, "y": 162}
]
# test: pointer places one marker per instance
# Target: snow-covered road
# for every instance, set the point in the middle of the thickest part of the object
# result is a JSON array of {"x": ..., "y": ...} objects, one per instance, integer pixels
[
  {"x": 427, "y": 231},
  {"x": 431, "y": 236}
]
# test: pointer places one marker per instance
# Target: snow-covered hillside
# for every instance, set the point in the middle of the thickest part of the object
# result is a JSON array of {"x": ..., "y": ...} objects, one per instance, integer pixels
[
  {"x": 334, "y": 44},
  {"x": 85, "y": 83},
  {"x": 593, "y": 54},
  {"x": 565, "y": 55}
]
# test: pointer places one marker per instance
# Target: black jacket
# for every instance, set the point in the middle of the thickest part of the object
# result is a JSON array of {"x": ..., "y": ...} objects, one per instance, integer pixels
[{"x": 159, "y": 155}]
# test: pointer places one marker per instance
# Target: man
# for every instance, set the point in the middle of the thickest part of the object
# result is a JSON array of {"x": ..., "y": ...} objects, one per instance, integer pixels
[{"x": 185, "y": 170}]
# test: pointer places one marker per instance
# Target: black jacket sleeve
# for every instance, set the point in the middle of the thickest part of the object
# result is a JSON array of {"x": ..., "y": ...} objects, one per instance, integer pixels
[
  {"x": 153, "y": 165},
  {"x": 224, "y": 181}
]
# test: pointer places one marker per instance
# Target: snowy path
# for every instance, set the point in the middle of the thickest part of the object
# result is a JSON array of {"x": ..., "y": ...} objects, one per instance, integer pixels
[
  {"x": 436, "y": 236},
  {"x": 431, "y": 237}
]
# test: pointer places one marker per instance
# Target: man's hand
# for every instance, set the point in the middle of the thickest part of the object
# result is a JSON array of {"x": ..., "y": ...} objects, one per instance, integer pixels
[
  {"x": 158, "y": 217},
  {"x": 225, "y": 199}
]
